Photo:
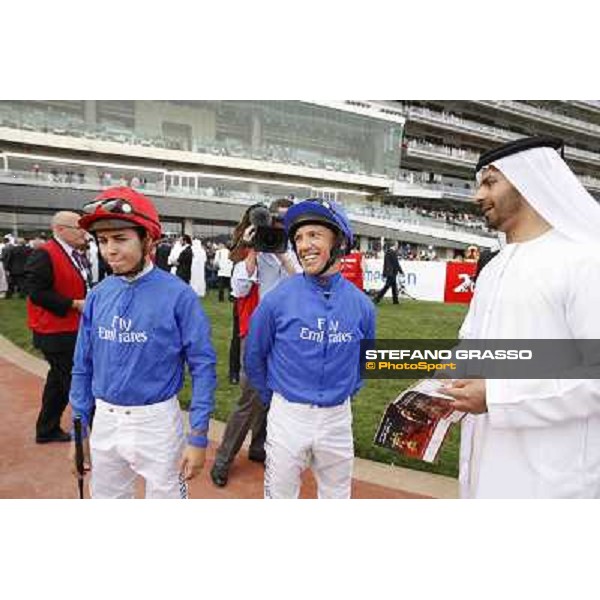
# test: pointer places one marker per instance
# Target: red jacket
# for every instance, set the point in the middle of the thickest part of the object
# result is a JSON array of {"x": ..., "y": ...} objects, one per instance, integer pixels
[
  {"x": 351, "y": 269},
  {"x": 68, "y": 284},
  {"x": 245, "y": 307}
]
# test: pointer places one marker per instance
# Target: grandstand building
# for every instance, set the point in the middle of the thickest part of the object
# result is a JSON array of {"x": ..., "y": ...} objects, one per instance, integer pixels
[
  {"x": 402, "y": 169},
  {"x": 443, "y": 140}
]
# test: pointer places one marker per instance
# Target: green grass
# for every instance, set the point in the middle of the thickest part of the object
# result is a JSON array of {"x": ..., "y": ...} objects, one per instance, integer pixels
[
  {"x": 410, "y": 320},
  {"x": 13, "y": 324}
]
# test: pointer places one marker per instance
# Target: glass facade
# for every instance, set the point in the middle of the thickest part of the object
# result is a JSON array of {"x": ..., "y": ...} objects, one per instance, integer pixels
[
  {"x": 23, "y": 224},
  {"x": 290, "y": 132}
]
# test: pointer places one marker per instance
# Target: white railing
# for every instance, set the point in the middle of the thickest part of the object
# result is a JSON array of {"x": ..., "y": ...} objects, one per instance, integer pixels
[
  {"x": 547, "y": 115},
  {"x": 445, "y": 220},
  {"x": 584, "y": 154},
  {"x": 389, "y": 215},
  {"x": 446, "y": 118},
  {"x": 457, "y": 154},
  {"x": 590, "y": 182},
  {"x": 595, "y": 104},
  {"x": 463, "y": 237},
  {"x": 417, "y": 180},
  {"x": 473, "y": 157},
  {"x": 151, "y": 187}
]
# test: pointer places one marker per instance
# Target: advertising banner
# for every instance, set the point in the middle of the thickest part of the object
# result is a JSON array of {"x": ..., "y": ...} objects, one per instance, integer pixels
[
  {"x": 423, "y": 280},
  {"x": 459, "y": 285}
]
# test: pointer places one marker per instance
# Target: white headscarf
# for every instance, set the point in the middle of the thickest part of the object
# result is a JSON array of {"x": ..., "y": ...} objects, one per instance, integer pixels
[{"x": 545, "y": 180}]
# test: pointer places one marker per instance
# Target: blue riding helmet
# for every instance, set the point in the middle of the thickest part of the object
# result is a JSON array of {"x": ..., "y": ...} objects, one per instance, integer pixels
[{"x": 323, "y": 212}]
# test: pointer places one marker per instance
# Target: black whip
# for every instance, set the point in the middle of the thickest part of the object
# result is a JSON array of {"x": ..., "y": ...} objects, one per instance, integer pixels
[{"x": 79, "y": 454}]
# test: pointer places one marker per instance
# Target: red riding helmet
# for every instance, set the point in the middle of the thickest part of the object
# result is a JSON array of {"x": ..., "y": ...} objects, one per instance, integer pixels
[{"x": 120, "y": 207}]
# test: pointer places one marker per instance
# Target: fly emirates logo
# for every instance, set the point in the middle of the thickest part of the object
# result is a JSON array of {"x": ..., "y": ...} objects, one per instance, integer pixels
[
  {"x": 121, "y": 331},
  {"x": 331, "y": 330}
]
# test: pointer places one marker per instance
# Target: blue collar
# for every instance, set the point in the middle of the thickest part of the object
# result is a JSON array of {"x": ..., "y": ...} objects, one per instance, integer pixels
[{"x": 326, "y": 283}]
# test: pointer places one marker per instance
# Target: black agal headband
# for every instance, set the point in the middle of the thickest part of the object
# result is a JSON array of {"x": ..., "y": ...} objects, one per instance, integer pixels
[{"x": 520, "y": 145}]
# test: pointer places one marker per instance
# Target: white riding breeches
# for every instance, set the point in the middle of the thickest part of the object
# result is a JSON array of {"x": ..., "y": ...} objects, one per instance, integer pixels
[
  {"x": 127, "y": 441},
  {"x": 301, "y": 435}
]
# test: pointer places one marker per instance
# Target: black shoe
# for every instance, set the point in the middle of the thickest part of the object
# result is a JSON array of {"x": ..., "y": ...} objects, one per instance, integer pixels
[
  {"x": 258, "y": 456},
  {"x": 58, "y": 436},
  {"x": 219, "y": 475},
  {"x": 234, "y": 380}
]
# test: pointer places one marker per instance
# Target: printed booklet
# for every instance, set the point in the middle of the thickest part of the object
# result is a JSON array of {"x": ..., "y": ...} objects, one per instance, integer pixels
[{"x": 416, "y": 423}]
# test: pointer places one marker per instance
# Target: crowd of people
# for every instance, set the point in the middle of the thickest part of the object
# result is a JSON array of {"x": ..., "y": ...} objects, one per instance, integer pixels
[
  {"x": 414, "y": 214},
  {"x": 453, "y": 216},
  {"x": 117, "y": 350},
  {"x": 14, "y": 252},
  {"x": 105, "y": 177},
  {"x": 204, "y": 265},
  {"x": 464, "y": 219}
]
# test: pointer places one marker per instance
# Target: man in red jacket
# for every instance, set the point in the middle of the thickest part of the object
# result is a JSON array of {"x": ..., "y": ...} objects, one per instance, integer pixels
[
  {"x": 56, "y": 280},
  {"x": 352, "y": 267}
]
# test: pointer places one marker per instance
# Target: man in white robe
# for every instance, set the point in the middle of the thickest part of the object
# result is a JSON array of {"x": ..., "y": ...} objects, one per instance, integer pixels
[
  {"x": 3, "y": 282},
  {"x": 93, "y": 258},
  {"x": 176, "y": 250},
  {"x": 533, "y": 438},
  {"x": 198, "y": 281}
]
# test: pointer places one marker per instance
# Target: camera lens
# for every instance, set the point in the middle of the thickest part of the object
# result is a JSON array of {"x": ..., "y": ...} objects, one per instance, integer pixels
[
  {"x": 260, "y": 216},
  {"x": 270, "y": 239}
]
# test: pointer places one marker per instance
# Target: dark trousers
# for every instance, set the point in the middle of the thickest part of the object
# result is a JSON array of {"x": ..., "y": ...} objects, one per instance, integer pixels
[
  {"x": 56, "y": 392},
  {"x": 390, "y": 281},
  {"x": 224, "y": 282},
  {"x": 234, "y": 346},
  {"x": 16, "y": 283},
  {"x": 249, "y": 414}
]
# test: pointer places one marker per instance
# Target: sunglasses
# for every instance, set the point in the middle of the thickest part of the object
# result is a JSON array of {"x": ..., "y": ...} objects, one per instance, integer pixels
[{"x": 116, "y": 206}]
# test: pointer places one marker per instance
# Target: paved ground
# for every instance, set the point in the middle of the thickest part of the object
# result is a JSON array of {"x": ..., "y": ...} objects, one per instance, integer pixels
[{"x": 29, "y": 470}]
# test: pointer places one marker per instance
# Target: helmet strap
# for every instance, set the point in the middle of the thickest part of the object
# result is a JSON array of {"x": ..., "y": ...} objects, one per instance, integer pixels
[{"x": 335, "y": 253}]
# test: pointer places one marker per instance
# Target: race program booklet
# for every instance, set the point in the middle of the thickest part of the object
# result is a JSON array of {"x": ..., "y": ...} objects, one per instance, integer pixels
[{"x": 416, "y": 423}]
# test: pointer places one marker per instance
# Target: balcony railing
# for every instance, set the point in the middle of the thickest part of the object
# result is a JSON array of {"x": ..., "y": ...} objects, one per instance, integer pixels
[
  {"x": 445, "y": 119},
  {"x": 392, "y": 215},
  {"x": 545, "y": 115},
  {"x": 472, "y": 157},
  {"x": 456, "y": 154},
  {"x": 449, "y": 221},
  {"x": 415, "y": 180}
]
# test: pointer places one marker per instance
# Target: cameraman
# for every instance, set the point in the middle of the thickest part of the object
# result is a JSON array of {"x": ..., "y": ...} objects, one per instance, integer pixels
[{"x": 265, "y": 269}]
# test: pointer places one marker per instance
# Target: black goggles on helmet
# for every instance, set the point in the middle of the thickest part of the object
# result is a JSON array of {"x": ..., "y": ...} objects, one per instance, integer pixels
[{"x": 115, "y": 206}]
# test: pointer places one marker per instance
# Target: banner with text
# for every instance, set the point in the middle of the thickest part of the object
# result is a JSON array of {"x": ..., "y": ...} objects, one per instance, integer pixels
[{"x": 435, "y": 281}]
